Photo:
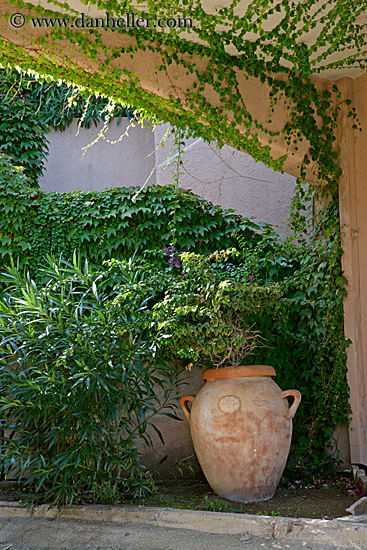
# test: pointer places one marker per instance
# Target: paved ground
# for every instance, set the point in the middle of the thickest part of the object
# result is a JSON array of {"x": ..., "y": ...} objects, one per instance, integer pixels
[{"x": 67, "y": 534}]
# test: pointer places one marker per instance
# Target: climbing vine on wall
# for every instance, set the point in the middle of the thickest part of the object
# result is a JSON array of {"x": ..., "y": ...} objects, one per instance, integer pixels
[
  {"x": 29, "y": 108},
  {"x": 269, "y": 41},
  {"x": 58, "y": 103},
  {"x": 118, "y": 223}
]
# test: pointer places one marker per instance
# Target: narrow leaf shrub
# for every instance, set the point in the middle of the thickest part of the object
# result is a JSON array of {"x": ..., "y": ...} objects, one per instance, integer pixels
[{"x": 78, "y": 382}]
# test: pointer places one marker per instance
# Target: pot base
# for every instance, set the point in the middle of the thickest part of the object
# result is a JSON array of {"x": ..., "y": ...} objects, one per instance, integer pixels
[{"x": 235, "y": 497}]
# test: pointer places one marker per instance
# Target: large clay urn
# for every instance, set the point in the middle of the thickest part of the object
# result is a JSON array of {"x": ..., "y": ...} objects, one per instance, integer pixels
[{"x": 241, "y": 427}]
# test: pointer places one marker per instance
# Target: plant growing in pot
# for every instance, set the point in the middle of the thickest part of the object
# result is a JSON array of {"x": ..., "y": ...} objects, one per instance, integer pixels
[{"x": 240, "y": 421}]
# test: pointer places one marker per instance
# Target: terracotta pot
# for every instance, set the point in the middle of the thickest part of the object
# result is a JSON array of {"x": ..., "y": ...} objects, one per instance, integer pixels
[{"x": 241, "y": 427}]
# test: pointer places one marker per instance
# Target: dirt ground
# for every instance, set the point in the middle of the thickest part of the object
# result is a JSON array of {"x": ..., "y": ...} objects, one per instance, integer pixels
[
  {"x": 327, "y": 500},
  {"x": 324, "y": 501}
]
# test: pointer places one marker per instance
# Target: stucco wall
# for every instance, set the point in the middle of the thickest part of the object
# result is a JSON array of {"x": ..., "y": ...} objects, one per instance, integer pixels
[
  {"x": 230, "y": 178},
  {"x": 227, "y": 177},
  {"x": 104, "y": 164}
]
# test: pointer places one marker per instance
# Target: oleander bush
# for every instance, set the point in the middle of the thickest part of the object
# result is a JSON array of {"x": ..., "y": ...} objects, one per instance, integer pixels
[{"x": 79, "y": 384}]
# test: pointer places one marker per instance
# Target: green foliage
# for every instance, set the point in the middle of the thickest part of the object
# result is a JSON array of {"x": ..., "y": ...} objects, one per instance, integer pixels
[
  {"x": 57, "y": 103},
  {"x": 79, "y": 384},
  {"x": 22, "y": 135},
  {"x": 113, "y": 223},
  {"x": 270, "y": 44},
  {"x": 206, "y": 307},
  {"x": 12, "y": 178},
  {"x": 202, "y": 316}
]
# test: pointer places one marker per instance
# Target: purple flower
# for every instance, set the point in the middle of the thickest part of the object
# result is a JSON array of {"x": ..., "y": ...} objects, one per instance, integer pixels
[
  {"x": 172, "y": 249},
  {"x": 198, "y": 295},
  {"x": 251, "y": 276},
  {"x": 176, "y": 263},
  {"x": 183, "y": 189},
  {"x": 165, "y": 248},
  {"x": 170, "y": 260}
]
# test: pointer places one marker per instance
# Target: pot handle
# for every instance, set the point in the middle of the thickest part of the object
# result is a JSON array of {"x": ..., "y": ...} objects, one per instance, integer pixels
[
  {"x": 184, "y": 399},
  {"x": 297, "y": 399}
]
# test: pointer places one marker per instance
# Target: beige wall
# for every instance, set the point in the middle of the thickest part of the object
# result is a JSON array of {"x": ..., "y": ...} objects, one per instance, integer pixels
[
  {"x": 176, "y": 433},
  {"x": 227, "y": 177},
  {"x": 232, "y": 179},
  {"x": 104, "y": 164}
]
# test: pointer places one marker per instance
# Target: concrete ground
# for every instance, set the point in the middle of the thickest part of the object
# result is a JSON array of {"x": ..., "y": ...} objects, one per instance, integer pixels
[
  {"x": 41, "y": 534},
  {"x": 142, "y": 528}
]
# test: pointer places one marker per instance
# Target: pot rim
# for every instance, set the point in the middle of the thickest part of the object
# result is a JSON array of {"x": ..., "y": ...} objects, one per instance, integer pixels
[{"x": 238, "y": 372}]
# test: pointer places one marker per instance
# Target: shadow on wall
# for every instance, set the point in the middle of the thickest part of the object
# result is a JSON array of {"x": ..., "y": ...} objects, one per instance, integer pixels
[{"x": 224, "y": 176}]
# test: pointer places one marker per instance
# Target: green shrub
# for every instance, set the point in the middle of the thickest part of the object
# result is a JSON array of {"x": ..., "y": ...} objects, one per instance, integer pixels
[{"x": 79, "y": 378}]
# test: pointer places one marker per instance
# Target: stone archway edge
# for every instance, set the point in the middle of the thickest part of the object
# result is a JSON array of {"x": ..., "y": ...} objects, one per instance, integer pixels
[{"x": 343, "y": 533}]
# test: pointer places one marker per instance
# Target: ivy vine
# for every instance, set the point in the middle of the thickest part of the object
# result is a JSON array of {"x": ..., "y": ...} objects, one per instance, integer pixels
[
  {"x": 266, "y": 41},
  {"x": 29, "y": 108},
  {"x": 117, "y": 222},
  {"x": 282, "y": 45}
]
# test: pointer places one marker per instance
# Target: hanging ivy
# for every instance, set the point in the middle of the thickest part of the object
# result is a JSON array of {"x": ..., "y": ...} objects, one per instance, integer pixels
[
  {"x": 269, "y": 41},
  {"x": 29, "y": 108}
]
